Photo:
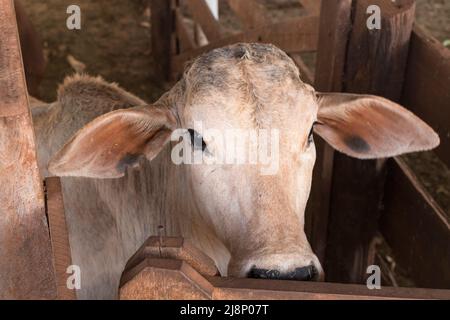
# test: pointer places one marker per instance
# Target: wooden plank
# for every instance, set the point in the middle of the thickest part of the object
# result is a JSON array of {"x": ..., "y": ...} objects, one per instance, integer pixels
[
  {"x": 305, "y": 73},
  {"x": 204, "y": 17},
  {"x": 416, "y": 228},
  {"x": 253, "y": 289},
  {"x": 26, "y": 270},
  {"x": 174, "y": 248},
  {"x": 296, "y": 35},
  {"x": 427, "y": 86},
  {"x": 164, "y": 279},
  {"x": 59, "y": 236},
  {"x": 375, "y": 64},
  {"x": 32, "y": 51},
  {"x": 185, "y": 41},
  {"x": 383, "y": 72},
  {"x": 162, "y": 36},
  {"x": 335, "y": 25},
  {"x": 175, "y": 279},
  {"x": 250, "y": 12},
  {"x": 312, "y": 6}
]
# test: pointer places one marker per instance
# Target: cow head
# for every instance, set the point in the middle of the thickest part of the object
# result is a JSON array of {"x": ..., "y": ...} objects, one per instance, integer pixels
[{"x": 257, "y": 213}]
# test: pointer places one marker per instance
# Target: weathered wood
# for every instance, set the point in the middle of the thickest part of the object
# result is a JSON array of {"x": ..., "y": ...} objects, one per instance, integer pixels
[
  {"x": 252, "y": 289},
  {"x": 162, "y": 36},
  {"x": 375, "y": 64},
  {"x": 59, "y": 237},
  {"x": 427, "y": 86},
  {"x": 159, "y": 279},
  {"x": 305, "y": 73},
  {"x": 203, "y": 16},
  {"x": 164, "y": 279},
  {"x": 416, "y": 228},
  {"x": 32, "y": 51},
  {"x": 185, "y": 41},
  {"x": 313, "y": 6},
  {"x": 296, "y": 35},
  {"x": 174, "y": 248},
  {"x": 335, "y": 25},
  {"x": 379, "y": 57},
  {"x": 250, "y": 12},
  {"x": 26, "y": 269}
]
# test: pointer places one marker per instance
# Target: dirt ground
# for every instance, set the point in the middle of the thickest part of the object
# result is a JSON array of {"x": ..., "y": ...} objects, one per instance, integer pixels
[
  {"x": 114, "y": 42},
  {"x": 434, "y": 16}
]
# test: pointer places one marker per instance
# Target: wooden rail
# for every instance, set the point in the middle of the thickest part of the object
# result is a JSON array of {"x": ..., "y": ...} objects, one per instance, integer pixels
[
  {"x": 296, "y": 35},
  {"x": 250, "y": 13},
  {"x": 152, "y": 275},
  {"x": 293, "y": 36},
  {"x": 416, "y": 228},
  {"x": 427, "y": 86}
]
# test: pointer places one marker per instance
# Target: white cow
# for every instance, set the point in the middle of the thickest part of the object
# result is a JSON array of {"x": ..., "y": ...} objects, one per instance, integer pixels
[{"x": 250, "y": 224}]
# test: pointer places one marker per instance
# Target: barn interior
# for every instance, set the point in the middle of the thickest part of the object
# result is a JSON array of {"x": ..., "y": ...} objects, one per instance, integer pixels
[{"x": 115, "y": 42}]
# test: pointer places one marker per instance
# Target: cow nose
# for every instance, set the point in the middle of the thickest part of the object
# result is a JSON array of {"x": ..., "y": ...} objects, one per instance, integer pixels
[{"x": 307, "y": 273}]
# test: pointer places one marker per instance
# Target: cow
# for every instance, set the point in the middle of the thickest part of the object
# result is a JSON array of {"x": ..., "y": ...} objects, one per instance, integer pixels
[{"x": 114, "y": 153}]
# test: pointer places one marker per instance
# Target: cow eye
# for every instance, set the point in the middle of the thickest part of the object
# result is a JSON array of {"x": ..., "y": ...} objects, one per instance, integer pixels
[{"x": 197, "y": 140}]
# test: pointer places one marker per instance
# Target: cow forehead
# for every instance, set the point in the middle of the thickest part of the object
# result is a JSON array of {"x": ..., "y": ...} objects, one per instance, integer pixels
[{"x": 251, "y": 84}]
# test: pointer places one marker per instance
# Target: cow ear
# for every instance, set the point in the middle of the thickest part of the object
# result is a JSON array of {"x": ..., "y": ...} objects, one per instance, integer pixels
[
  {"x": 368, "y": 127},
  {"x": 109, "y": 144}
]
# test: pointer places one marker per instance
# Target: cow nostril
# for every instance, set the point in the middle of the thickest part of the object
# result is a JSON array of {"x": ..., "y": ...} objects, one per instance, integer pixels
[
  {"x": 307, "y": 273},
  {"x": 264, "y": 274}
]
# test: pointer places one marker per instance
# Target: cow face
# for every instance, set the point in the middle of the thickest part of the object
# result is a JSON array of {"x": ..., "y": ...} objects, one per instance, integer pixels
[{"x": 240, "y": 106}]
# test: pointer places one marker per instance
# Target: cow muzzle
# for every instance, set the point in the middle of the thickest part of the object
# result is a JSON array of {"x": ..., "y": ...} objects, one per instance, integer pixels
[{"x": 308, "y": 273}]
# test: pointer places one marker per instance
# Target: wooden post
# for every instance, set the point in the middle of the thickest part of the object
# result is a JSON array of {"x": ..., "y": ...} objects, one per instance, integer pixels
[
  {"x": 26, "y": 270},
  {"x": 203, "y": 15},
  {"x": 162, "y": 34},
  {"x": 334, "y": 28},
  {"x": 32, "y": 51},
  {"x": 313, "y": 6},
  {"x": 374, "y": 62},
  {"x": 59, "y": 236}
]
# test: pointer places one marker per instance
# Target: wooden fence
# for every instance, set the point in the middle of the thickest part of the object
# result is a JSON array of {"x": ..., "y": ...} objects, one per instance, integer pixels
[
  {"x": 170, "y": 32},
  {"x": 399, "y": 61},
  {"x": 171, "y": 268}
]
